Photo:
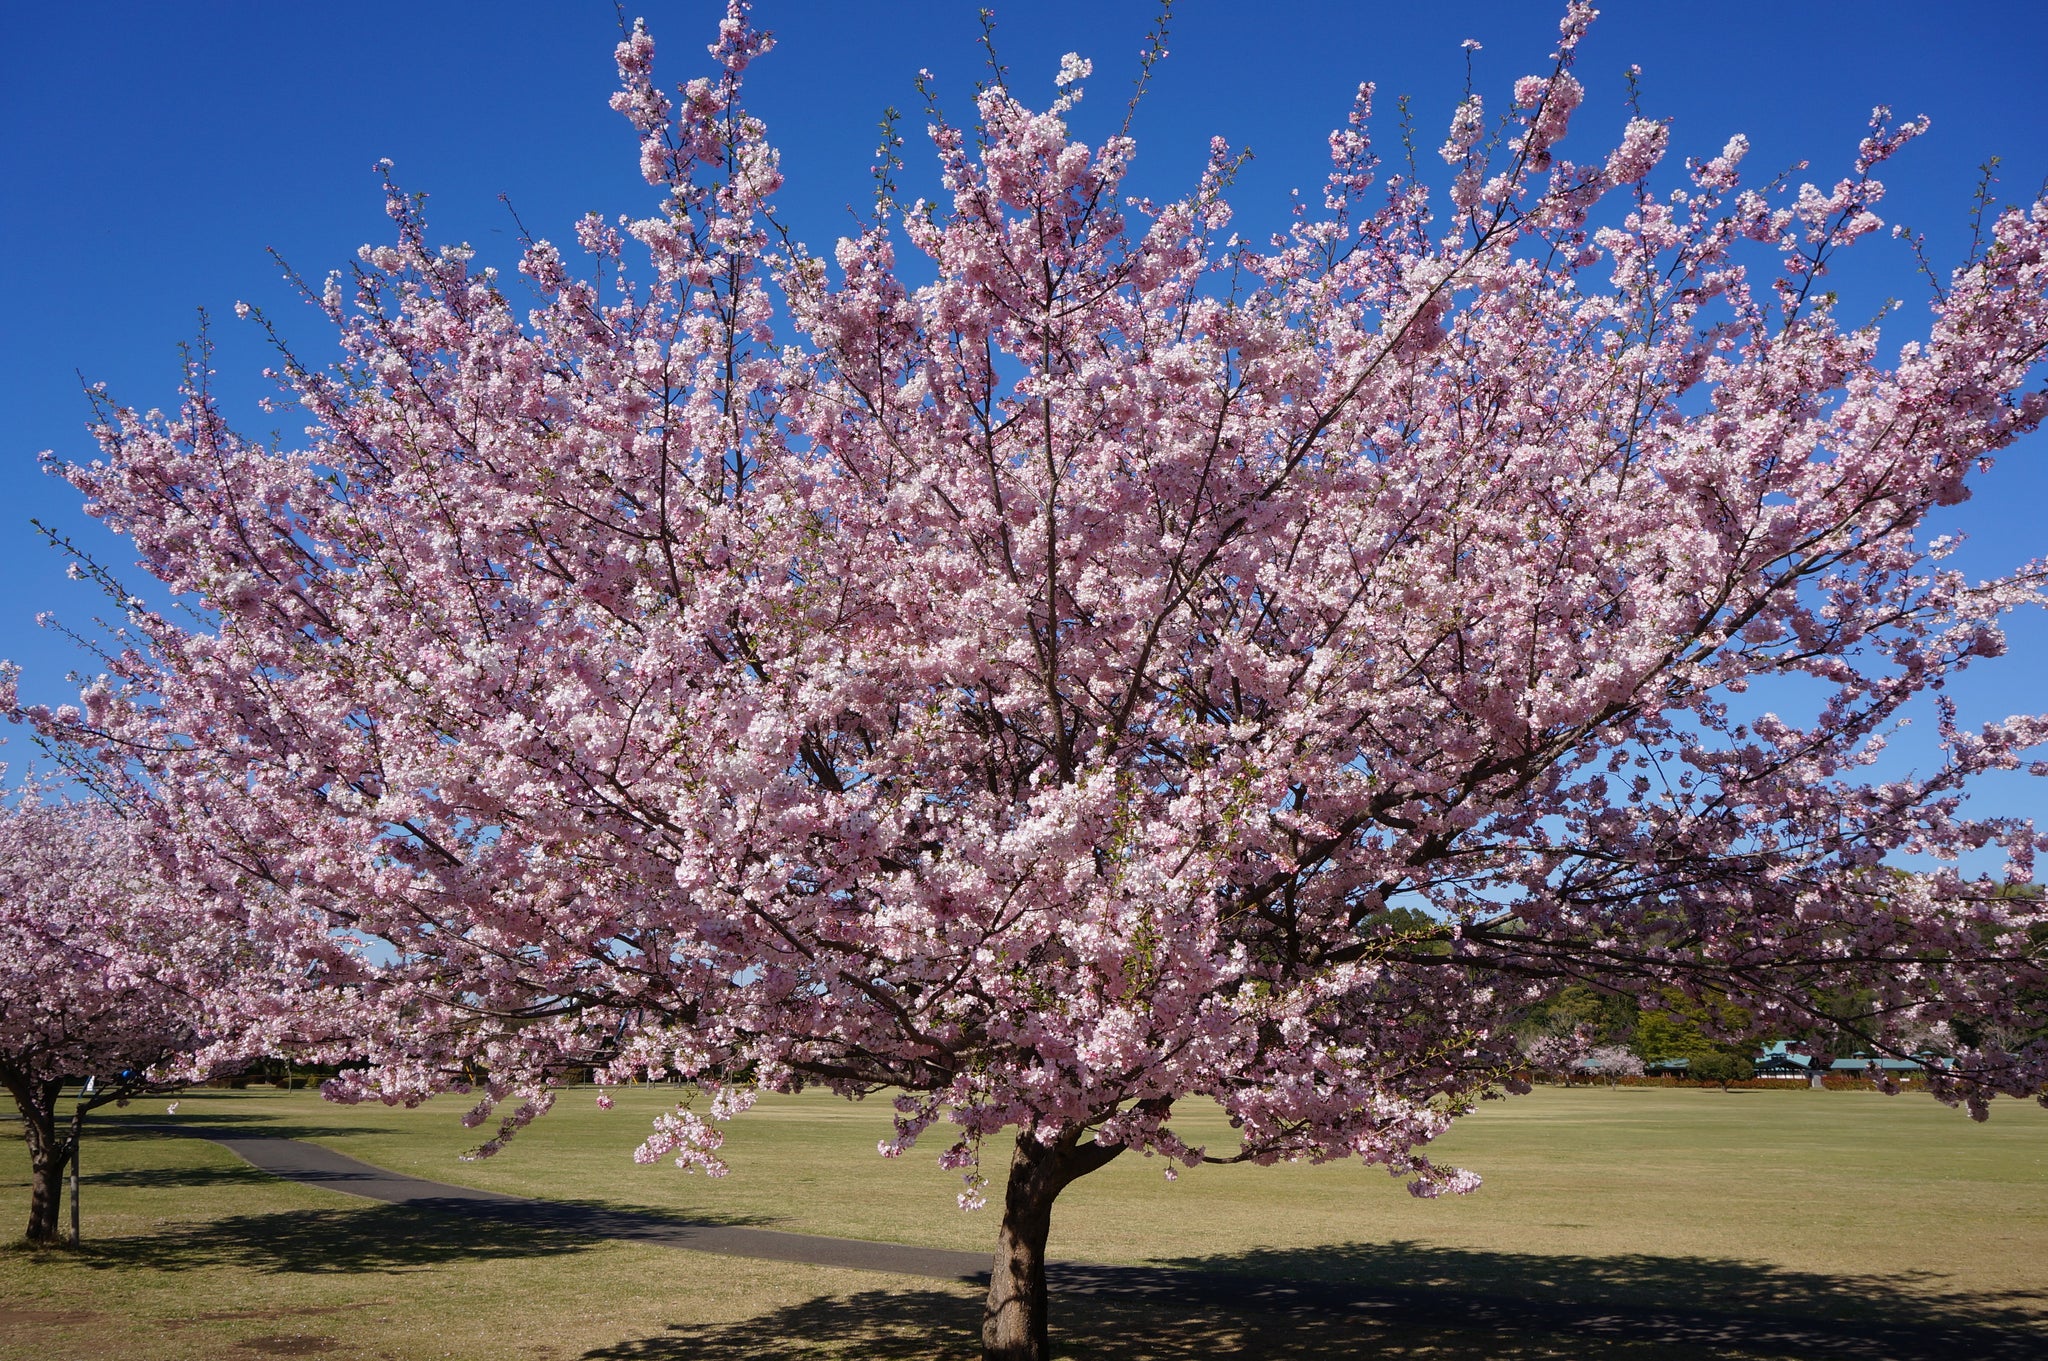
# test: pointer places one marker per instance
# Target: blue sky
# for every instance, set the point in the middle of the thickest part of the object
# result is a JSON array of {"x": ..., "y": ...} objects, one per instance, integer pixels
[{"x": 153, "y": 152}]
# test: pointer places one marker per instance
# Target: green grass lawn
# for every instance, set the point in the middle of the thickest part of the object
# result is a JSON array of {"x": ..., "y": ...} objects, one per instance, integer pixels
[{"x": 1815, "y": 1204}]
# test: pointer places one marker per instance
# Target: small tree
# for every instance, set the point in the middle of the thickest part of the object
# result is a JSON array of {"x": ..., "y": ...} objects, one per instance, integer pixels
[
  {"x": 1557, "y": 1053},
  {"x": 96, "y": 983},
  {"x": 1129, "y": 668},
  {"x": 1720, "y": 1066},
  {"x": 1612, "y": 1062}
]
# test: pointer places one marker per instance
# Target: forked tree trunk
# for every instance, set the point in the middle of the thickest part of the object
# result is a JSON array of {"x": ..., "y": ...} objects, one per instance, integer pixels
[
  {"x": 1013, "y": 1322},
  {"x": 47, "y": 1157}
]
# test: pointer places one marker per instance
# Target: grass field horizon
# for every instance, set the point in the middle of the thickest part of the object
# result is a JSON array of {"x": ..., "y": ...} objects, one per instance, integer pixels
[{"x": 1828, "y": 1205}]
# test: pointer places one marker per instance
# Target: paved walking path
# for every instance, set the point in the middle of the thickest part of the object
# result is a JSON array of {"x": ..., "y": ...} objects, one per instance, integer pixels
[{"x": 315, "y": 1165}]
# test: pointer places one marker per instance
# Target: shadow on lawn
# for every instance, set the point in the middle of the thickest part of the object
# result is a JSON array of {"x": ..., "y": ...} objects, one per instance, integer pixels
[
  {"x": 1365, "y": 1301},
  {"x": 333, "y": 1242},
  {"x": 168, "y": 1178},
  {"x": 1629, "y": 1281},
  {"x": 142, "y": 1125}
]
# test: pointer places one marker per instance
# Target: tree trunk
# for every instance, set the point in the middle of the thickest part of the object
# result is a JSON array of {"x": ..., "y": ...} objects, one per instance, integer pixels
[
  {"x": 47, "y": 1156},
  {"x": 1013, "y": 1322},
  {"x": 46, "y": 1163}
]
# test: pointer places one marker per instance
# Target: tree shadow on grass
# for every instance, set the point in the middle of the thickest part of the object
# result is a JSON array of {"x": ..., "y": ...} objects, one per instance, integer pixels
[
  {"x": 172, "y": 1178},
  {"x": 157, "y": 1126},
  {"x": 1367, "y": 1301},
  {"x": 874, "y": 1325},
  {"x": 630, "y": 1219},
  {"x": 375, "y": 1238},
  {"x": 933, "y": 1325},
  {"x": 1631, "y": 1281},
  {"x": 588, "y": 1215}
]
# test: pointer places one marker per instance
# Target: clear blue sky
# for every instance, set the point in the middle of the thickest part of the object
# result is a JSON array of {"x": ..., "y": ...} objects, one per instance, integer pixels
[{"x": 153, "y": 151}]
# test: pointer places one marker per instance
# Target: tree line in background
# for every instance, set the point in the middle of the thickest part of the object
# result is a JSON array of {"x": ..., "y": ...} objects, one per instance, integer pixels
[
  {"x": 1582, "y": 1032},
  {"x": 1054, "y": 660}
]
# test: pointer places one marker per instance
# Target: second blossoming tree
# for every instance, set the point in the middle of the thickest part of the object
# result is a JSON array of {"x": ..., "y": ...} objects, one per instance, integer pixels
[
  {"x": 1130, "y": 667},
  {"x": 111, "y": 982}
]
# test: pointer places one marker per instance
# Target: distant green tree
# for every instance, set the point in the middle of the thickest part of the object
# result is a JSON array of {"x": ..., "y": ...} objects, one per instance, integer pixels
[
  {"x": 1681, "y": 1027},
  {"x": 1661, "y": 1036},
  {"x": 1607, "y": 1017},
  {"x": 1719, "y": 1066}
]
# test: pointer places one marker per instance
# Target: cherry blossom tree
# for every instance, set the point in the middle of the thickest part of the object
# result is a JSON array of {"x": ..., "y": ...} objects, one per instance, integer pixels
[
  {"x": 1099, "y": 664},
  {"x": 97, "y": 983},
  {"x": 1611, "y": 1061},
  {"x": 1558, "y": 1054}
]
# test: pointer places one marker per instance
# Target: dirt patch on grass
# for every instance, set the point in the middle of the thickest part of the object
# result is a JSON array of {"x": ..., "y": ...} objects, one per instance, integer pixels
[
  {"x": 258, "y": 1315},
  {"x": 282, "y": 1344},
  {"x": 30, "y": 1318}
]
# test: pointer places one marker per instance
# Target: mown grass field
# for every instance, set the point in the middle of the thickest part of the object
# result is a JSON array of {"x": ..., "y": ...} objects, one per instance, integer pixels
[{"x": 1822, "y": 1206}]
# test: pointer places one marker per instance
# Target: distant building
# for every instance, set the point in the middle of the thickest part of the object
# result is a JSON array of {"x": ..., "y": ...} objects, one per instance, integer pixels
[{"x": 1779, "y": 1060}]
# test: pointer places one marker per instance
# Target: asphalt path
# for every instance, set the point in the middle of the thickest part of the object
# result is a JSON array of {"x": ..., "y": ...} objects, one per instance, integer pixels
[{"x": 1748, "y": 1333}]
